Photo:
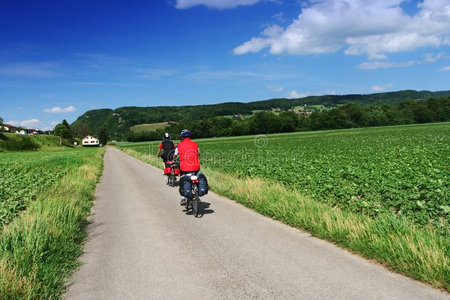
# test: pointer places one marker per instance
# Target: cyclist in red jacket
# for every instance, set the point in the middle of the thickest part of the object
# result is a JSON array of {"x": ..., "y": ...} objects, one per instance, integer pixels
[{"x": 188, "y": 152}]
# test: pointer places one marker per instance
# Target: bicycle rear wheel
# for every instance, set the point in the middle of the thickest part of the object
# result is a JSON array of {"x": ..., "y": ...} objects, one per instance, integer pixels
[{"x": 196, "y": 203}]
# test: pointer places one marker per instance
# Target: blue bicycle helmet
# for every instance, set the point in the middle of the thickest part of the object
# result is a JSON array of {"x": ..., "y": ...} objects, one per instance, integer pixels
[{"x": 185, "y": 133}]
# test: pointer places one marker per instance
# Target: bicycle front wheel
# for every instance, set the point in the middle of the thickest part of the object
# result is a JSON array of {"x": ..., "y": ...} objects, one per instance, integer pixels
[{"x": 188, "y": 204}]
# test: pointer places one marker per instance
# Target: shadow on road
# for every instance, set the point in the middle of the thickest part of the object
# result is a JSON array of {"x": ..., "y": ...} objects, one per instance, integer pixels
[
  {"x": 204, "y": 208},
  {"x": 93, "y": 228}
]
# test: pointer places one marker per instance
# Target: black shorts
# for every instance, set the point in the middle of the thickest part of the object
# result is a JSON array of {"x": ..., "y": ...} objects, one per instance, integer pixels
[{"x": 168, "y": 156}]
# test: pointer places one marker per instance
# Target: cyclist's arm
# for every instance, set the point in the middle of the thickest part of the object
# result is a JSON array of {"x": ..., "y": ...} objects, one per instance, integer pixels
[
  {"x": 175, "y": 155},
  {"x": 159, "y": 150}
]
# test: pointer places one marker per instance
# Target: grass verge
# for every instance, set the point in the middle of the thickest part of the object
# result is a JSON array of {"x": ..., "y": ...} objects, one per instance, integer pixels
[
  {"x": 420, "y": 253},
  {"x": 38, "y": 250}
]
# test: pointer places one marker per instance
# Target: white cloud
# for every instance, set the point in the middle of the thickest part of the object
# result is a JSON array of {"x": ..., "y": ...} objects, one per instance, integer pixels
[
  {"x": 380, "y": 88},
  {"x": 47, "y": 96},
  {"x": 294, "y": 94},
  {"x": 59, "y": 110},
  {"x": 39, "y": 70},
  {"x": 279, "y": 17},
  {"x": 157, "y": 73},
  {"x": 275, "y": 88},
  {"x": 89, "y": 83},
  {"x": 217, "y": 4},
  {"x": 384, "y": 64},
  {"x": 99, "y": 83},
  {"x": 101, "y": 60},
  {"x": 232, "y": 74},
  {"x": 33, "y": 123},
  {"x": 13, "y": 122},
  {"x": 444, "y": 69},
  {"x": 360, "y": 27},
  {"x": 373, "y": 65},
  {"x": 431, "y": 58},
  {"x": 52, "y": 125}
]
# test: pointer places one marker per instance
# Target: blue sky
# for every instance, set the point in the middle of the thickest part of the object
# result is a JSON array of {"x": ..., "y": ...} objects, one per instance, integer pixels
[{"x": 60, "y": 58}]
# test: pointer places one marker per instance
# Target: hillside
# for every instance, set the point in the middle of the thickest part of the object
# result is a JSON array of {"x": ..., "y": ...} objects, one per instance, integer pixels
[{"x": 118, "y": 122}]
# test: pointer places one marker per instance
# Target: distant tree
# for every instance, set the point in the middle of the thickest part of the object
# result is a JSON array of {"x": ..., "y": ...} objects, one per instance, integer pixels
[
  {"x": 406, "y": 111},
  {"x": 265, "y": 122},
  {"x": 375, "y": 116},
  {"x": 391, "y": 114},
  {"x": 439, "y": 108},
  {"x": 355, "y": 114},
  {"x": 240, "y": 127},
  {"x": 304, "y": 123},
  {"x": 337, "y": 118},
  {"x": 421, "y": 113},
  {"x": 315, "y": 121},
  {"x": 63, "y": 132},
  {"x": 1, "y": 129},
  {"x": 81, "y": 129},
  {"x": 221, "y": 126},
  {"x": 65, "y": 124},
  {"x": 131, "y": 136},
  {"x": 103, "y": 136}
]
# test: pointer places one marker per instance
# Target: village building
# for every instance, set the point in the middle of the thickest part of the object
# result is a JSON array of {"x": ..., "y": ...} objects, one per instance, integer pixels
[
  {"x": 8, "y": 128},
  {"x": 90, "y": 141}
]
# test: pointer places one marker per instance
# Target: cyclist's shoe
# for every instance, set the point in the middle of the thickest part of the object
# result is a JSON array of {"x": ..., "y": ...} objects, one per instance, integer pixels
[{"x": 183, "y": 201}]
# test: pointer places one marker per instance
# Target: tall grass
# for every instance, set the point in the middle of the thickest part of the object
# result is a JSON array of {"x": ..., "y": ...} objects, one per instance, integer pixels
[
  {"x": 392, "y": 240},
  {"x": 38, "y": 250},
  {"x": 18, "y": 143}
]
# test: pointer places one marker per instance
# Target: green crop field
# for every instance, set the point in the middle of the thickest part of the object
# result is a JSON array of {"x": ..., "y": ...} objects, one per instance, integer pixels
[
  {"x": 25, "y": 174},
  {"x": 402, "y": 169},
  {"x": 45, "y": 199}
]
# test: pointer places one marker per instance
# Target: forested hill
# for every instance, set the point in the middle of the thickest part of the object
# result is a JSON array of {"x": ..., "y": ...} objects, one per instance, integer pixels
[{"x": 120, "y": 120}]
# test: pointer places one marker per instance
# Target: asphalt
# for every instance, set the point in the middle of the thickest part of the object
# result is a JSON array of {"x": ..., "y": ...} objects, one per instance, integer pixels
[{"x": 143, "y": 245}]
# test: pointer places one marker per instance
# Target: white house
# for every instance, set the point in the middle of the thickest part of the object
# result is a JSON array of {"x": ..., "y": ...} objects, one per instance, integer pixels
[
  {"x": 90, "y": 141},
  {"x": 8, "y": 128}
]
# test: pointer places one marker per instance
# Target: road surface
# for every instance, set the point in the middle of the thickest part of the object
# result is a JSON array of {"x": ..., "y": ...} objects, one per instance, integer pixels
[{"x": 142, "y": 245}]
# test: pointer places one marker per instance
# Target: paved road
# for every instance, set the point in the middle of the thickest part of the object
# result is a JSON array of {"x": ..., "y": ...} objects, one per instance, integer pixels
[{"x": 142, "y": 245}]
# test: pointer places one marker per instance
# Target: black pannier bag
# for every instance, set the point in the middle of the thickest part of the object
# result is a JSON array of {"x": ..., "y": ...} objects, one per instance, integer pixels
[
  {"x": 202, "y": 184},
  {"x": 185, "y": 186}
]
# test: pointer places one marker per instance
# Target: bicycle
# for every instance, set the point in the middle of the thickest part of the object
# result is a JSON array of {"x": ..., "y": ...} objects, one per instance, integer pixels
[
  {"x": 174, "y": 171},
  {"x": 194, "y": 201}
]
